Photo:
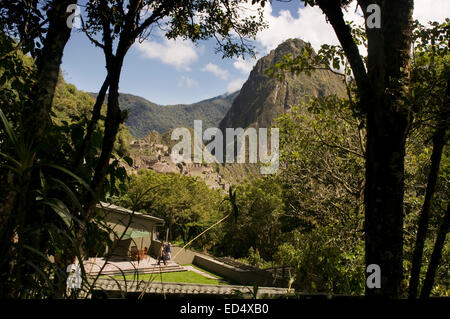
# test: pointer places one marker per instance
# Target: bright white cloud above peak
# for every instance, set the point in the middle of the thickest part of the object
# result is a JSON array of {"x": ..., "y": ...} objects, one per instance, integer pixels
[
  {"x": 245, "y": 66},
  {"x": 216, "y": 70},
  {"x": 310, "y": 25},
  {"x": 235, "y": 85},
  {"x": 431, "y": 10}
]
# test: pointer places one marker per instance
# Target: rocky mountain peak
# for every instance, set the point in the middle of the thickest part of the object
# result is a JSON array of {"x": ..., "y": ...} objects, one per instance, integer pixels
[{"x": 263, "y": 98}]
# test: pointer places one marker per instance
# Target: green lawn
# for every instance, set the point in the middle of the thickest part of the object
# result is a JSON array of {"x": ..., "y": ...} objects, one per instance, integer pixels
[
  {"x": 179, "y": 276},
  {"x": 205, "y": 271}
]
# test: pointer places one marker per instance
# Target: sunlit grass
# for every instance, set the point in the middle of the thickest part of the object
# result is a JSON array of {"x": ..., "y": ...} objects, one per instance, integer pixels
[
  {"x": 179, "y": 276},
  {"x": 205, "y": 271}
]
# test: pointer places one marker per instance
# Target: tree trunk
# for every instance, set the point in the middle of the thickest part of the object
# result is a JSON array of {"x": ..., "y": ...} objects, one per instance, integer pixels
[
  {"x": 96, "y": 111},
  {"x": 35, "y": 122},
  {"x": 382, "y": 90},
  {"x": 113, "y": 120},
  {"x": 440, "y": 139},
  {"x": 436, "y": 256},
  {"x": 36, "y": 117},
  {"x": 388, "y": 121},
  {"x": 438, "y": 145}
]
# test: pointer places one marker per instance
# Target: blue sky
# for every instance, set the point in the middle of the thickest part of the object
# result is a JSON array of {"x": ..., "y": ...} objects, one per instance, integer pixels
[{"x": 170, "y": 72}]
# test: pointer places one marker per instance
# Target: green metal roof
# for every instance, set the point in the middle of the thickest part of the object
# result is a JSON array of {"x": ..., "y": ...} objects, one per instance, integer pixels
[{"x": 134, "y": 234}]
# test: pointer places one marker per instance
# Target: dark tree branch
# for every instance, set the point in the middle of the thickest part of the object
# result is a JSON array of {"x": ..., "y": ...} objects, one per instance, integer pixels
[
  {"x": 107, "y": 36},
  {"x": 96, "y": 43},
  {"x": 92, "y": 124},
  {"x": 439, "y": 141},
  {"x": 24, "y": 39},
  {"x": 333, "y": 11},
  {"x": 436, "y": 255},
  {"x": 438, "y": 145}
]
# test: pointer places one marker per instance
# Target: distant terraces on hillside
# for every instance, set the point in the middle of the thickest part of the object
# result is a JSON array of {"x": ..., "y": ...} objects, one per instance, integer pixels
[{"x": 157, "y": 157}]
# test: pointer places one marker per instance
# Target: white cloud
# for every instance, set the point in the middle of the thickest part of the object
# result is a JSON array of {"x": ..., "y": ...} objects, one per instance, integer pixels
[
  {"x": 245, "y": 66},
  {"x": 177, "y": 53},
  {"x": 186, "y": 81},
  {"x": 431, "y": 10},
  {"x": 235, "y": 85},
  {"x": 216, "y": 70},
  {"x": 311, "y": 25}
]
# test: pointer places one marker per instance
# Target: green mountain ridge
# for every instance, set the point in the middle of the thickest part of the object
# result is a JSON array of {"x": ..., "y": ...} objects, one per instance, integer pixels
[{"x": 145, "y": 116}]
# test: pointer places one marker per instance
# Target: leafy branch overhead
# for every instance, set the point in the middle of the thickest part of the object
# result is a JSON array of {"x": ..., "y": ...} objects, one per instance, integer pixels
[{"x": 228, "y": 22}]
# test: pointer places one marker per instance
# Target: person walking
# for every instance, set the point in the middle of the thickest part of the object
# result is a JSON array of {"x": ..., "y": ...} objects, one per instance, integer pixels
[
  {"x": 161, "y": 254},
  {"x": 168, "y": 256},
  {"x": 73, "y": 281}
]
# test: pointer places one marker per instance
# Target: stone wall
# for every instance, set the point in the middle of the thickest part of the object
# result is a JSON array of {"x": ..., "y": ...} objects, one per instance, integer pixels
[{"x": 233, "y": 274}]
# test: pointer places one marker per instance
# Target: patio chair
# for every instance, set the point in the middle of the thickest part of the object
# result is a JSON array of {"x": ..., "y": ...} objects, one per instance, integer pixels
[{"x": 134, "y": 253}]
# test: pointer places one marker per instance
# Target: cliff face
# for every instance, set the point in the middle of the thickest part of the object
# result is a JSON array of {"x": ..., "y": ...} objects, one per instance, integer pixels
[{"x": 263, "y": 98}]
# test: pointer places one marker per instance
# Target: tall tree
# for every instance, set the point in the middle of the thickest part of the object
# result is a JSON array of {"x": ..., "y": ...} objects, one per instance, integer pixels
[
  {"x": 426, "y": 98},
  {"x": 27, "y": 21},
  {"x": 120, "y": 24},
  {"x": 431, "y": 103},
  {"x": 382, "y": 86}
]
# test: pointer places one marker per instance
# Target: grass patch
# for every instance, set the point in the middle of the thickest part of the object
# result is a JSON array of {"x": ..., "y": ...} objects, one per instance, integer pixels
[
  {"x": 205, "y": 271},
  {"x": 179, "y": 276}
]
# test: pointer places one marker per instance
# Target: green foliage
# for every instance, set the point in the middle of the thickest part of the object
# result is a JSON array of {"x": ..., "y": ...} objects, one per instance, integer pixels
[
  {"x": 254, "y": 258},
  {"x": 308, "y": 217},
  {"x": 324, "y": 262},
  {"x": 258, "y": 224},
  {"x": 322, "y": 153},
  {"x": 24, "y": 21},
  {"x": 222, "y": 20},
  {"x": 41, "y": 180},
  {"x": 429, "y": 101},
  {"x": 71, "y": 113},
  {"x": 323, "y": 149},
  {"x": 186, "y": 204},
  {"x": 17, "y": 75},
  {"x": 322, "y": 173},
  {"x": 72, "y": 107},
  {"x": 48, "y": 191}
]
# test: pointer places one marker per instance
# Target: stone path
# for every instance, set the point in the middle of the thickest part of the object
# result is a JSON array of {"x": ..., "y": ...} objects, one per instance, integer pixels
[
  {"x": 109, "y": 285},
  {"x": 147, "y": 265}
]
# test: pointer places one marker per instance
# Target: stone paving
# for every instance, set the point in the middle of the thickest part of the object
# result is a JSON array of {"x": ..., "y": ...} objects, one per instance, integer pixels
[
  {"x": 150, "y": 265},
  {"x": 109, "y": 285},
  {"x": 147, "y": 265}
]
